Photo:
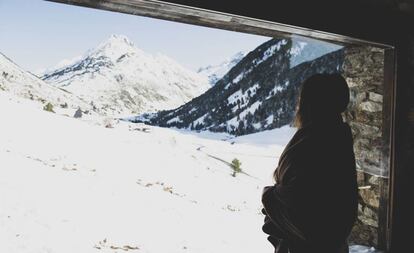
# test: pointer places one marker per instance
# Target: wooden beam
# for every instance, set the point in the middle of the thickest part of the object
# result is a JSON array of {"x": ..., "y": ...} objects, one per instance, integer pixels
[{"x": 214, "y": 19}]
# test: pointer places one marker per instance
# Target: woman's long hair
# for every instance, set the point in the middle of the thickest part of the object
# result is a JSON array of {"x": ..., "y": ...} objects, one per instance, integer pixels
[{"x": 322, "y": 97}]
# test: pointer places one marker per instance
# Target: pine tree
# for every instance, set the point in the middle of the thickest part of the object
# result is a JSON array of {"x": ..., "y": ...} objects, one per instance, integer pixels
[
  {"x": 236, "y": 166},
  {"x": 48, "y": 107}
]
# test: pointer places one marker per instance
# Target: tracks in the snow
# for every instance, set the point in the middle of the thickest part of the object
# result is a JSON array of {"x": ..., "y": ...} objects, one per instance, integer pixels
[{"x": 223, "y": 161}]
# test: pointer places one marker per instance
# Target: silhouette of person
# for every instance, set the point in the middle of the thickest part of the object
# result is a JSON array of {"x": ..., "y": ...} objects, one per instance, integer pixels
[{"x": 313, "y": 205}]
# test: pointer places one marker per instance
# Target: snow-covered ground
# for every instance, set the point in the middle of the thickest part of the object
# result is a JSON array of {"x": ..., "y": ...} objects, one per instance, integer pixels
[{"x": 67, "y": 185}]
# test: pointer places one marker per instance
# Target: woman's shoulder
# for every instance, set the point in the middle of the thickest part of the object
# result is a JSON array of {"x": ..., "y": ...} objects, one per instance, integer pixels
[
  {"x": 298, "y": 142},
  {"x": 312, "y": 136},
  {"x": 319, "y": 129}
]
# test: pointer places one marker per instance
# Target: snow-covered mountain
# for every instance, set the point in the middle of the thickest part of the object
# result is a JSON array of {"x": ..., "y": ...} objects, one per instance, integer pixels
[
  {"x": 217, "y": 71},
  {"x": 258, "y": 93},
  {"x": 303, "y": 49},
  {"x": 121, "y": 79},
  {"x": 22, "y": 84},
  {"x": 306, "y": 49}
]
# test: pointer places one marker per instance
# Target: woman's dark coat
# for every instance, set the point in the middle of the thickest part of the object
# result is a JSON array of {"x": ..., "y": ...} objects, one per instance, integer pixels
[{"x": 313, "y": 205}]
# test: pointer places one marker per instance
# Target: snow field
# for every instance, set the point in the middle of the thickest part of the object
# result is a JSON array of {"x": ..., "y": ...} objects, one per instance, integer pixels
[{"x": 69, "y": 185}]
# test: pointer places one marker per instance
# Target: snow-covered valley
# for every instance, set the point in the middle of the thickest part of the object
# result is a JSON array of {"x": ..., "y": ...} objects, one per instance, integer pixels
[{"x": 70, "y": 185}]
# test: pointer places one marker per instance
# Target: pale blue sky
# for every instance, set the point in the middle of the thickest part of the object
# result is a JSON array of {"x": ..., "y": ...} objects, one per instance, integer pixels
[{"x": 38, "y": 34}]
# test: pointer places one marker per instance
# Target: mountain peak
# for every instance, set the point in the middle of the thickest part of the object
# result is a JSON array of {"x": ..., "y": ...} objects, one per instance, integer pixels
[
  {"x": 120, "y": 78},
  {"x": 114, "y": 47},
  {"x": 217, "y": 71},
  {"x": 119, "y": 39}
]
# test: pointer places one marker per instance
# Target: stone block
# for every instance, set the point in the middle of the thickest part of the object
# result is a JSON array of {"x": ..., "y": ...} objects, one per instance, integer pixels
[
  {"x": 370, "y": 106},
  {"x": 373, "y": 180},
  {"x": 369, "y": 197},
  {"x": 375, "y": 97}
]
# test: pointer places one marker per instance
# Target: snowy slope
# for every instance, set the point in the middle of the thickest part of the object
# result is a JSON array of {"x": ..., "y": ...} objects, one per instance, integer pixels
[
  {"x": 303, "y": 49},
  {"x": 258, "y": 93},
  {"x": 95, "y": 189},
  {"x": 121, "y": 79},
  {"x": 306, "y": 49},
  {"x": 217, "y": 71},
  {"x": 21, "y": 84},
  {"x": 60, "y": 65}
]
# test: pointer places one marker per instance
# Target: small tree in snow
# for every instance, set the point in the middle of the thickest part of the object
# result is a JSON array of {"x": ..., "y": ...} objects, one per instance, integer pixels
[
  {"x": 48, "y": 107},
  {"x": 236, "y": 166}
]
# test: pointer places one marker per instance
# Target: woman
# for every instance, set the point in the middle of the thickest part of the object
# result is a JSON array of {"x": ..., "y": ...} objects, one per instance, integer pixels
[{"x": 313, "y": 205}]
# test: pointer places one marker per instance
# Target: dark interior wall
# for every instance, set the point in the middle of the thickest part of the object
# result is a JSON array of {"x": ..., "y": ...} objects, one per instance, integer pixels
[
  {"x": 386, "y": 21},
  {"x": 404, "y": 142}
]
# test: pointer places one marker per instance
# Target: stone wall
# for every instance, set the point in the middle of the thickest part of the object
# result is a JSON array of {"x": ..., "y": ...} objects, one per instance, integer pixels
[{"x": 363, "y": 69}]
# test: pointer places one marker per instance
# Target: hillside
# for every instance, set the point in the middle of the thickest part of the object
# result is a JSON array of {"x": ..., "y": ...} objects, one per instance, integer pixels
[
  {"x": 20, "y": 84},
  {"x": 258, "y": 93}
]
